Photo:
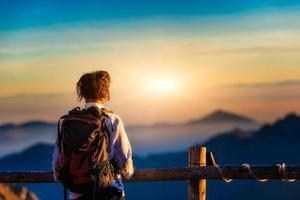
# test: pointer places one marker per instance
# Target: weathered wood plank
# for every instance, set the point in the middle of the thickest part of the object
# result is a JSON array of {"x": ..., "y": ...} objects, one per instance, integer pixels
[
  {"x": 202, "y": 182},
  {"x": 194, "y": 161},
  {"x": 169, "y": 174}
]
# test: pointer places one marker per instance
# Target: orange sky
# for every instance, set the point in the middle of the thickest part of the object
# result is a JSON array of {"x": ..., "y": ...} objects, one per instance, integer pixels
[{"x": 248, "y": 64}]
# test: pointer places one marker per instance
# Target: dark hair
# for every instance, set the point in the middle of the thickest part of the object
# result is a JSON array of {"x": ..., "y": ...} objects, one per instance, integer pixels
[{"x": 93, "y": 85}]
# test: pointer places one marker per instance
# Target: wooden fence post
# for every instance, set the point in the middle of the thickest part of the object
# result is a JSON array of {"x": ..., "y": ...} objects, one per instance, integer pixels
[{"x": 197, "y": 188}]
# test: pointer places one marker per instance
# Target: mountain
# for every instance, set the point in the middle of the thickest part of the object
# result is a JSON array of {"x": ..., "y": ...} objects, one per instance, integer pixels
[
  {"x": 14, "y": 137},
  {"x": 34, "y": 158},
  {"x": 222, "y": 116},
  {"x": 7, "y": 126},
  {"x": 35, "y": 124},
  {"x": 271, "y": 144},
  {"x": 157, "y": 138},
  {"x": 29, "y": 124}
]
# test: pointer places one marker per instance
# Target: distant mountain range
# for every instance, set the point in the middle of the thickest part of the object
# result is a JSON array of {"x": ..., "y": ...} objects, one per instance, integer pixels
[
  {"x": 155, "y": 138},
  {"x": 222, "y": 116},
  {"x": 217, "y": 116},
  {"x": 30, "y": 124},
  {"x": 271, "y": 144}
]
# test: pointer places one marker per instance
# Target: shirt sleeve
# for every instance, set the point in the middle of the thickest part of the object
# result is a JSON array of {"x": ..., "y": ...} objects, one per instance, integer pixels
[{"x": 123, "y": 151}]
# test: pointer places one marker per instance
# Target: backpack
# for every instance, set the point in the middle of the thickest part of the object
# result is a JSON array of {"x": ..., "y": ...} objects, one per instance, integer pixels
[{"x": 83, "y": 142}]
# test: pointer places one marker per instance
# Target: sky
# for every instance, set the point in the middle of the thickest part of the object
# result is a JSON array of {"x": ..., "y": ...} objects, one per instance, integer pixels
[{"x": 170, "y": 61}]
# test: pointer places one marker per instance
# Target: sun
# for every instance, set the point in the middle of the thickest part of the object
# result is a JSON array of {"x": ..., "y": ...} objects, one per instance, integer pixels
[{"x": 163, "y": 85}]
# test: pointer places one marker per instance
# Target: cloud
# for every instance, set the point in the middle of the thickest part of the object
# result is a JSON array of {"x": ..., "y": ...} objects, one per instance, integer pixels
[{"x": 283, "y": 83}]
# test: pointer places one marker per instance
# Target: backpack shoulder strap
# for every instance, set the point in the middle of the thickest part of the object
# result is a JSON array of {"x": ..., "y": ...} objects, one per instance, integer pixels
[
  {"x": 59, "y": 132},
  {"x": 77, "y": 110},
  {"x": 105, "y": 110}
]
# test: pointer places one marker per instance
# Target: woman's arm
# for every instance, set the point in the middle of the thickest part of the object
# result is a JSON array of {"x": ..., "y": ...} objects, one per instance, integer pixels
[{"x": 123, "y": 151}]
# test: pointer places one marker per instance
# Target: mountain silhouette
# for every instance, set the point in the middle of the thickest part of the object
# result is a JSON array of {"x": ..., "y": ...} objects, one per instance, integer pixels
[
  {"x": 156, "y": 138},
  {"x": 222, "y": 116},
  {"x": 29, "y": 124},
  {"x": 271, "y": 144},
  {"x": 36, "y": 157}
]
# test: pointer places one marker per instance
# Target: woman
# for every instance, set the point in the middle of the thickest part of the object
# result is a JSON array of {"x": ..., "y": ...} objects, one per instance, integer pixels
[{"x": 94, "y": 89}]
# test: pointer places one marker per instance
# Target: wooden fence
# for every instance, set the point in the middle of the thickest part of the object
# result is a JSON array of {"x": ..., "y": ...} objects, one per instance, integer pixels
[{"x": 196, "y": 174}]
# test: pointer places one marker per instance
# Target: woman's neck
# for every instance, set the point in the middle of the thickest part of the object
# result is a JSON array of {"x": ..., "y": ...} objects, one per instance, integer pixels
[{"x": 94, "y": 100}]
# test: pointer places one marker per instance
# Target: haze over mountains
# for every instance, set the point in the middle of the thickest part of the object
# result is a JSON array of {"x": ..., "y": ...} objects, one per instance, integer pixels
[
  {"x": 222, "y": 116},
  {"x": 270, "y": 144},
  {"x": 156, "y": 138}
]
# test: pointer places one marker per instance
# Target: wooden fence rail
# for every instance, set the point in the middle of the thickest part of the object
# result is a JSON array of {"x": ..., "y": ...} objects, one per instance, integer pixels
[
  {"x": 168, "y": 174},
  {"x": 195, "y": 174}
]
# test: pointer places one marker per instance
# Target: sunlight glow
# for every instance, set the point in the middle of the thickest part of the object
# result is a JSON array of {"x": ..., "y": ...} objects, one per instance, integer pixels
[{"x": 163, "y": 85}]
